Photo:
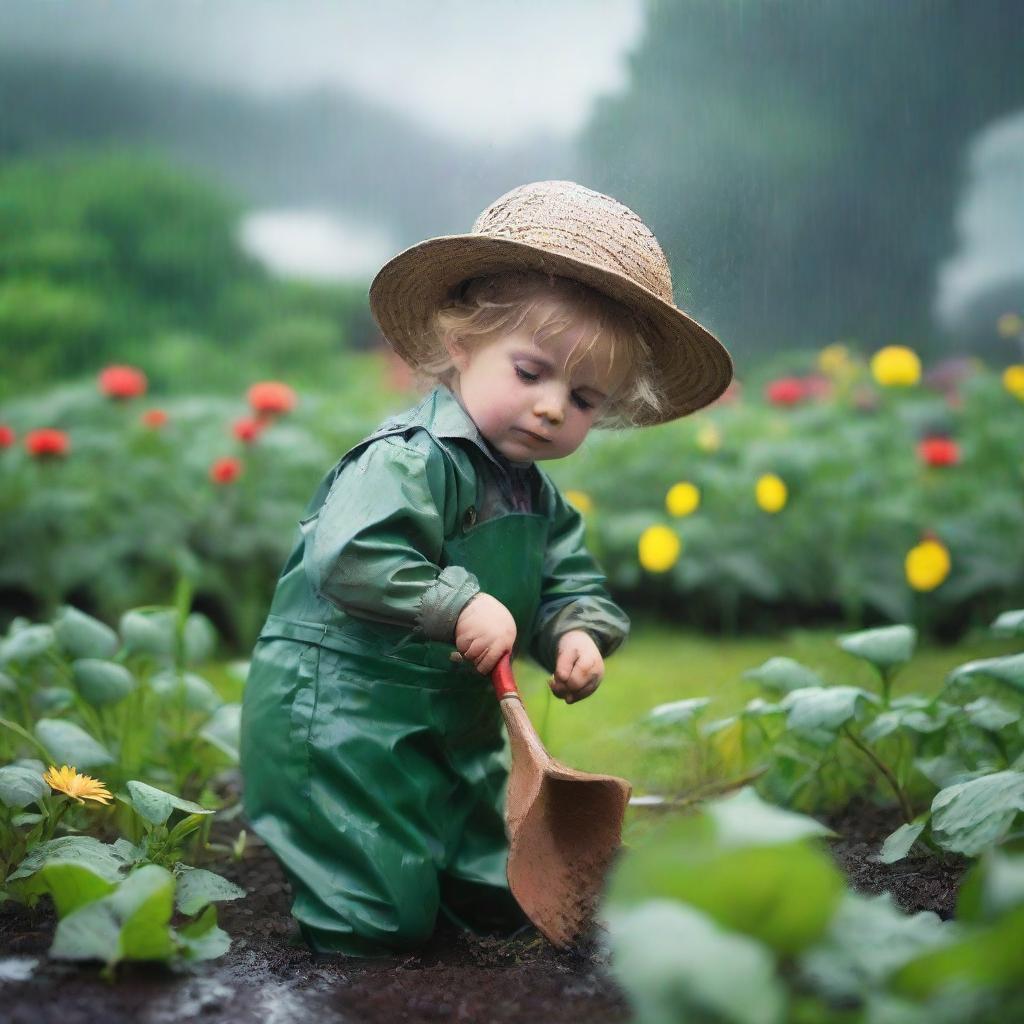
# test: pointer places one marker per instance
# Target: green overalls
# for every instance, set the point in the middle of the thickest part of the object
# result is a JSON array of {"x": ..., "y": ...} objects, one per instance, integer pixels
[{"x": 374, "y": 767}]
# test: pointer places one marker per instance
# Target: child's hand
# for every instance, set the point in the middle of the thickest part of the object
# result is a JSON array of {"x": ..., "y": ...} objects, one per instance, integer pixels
[
  {"x": 579, "y": 668},
  {"x": 485, "y": 630}
]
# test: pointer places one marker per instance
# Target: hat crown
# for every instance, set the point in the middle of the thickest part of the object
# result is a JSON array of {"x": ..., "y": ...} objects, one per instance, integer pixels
[{"x": 571, "y": 220}]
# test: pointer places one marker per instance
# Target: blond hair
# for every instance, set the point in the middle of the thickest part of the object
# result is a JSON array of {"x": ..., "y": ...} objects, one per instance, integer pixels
[{"x": 485, "y": 308}]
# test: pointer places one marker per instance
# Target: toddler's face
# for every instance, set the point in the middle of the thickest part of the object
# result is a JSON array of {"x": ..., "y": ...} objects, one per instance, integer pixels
[{"x": 524, "y": 398}]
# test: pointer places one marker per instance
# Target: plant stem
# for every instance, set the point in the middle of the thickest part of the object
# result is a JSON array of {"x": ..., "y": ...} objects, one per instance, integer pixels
[
  {"x": 51, "y": 825},
  {"x": 908, "y": 812}
]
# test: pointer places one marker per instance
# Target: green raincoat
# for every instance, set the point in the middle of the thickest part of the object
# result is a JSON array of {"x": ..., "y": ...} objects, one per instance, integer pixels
[{"x": 374, "y": 766}]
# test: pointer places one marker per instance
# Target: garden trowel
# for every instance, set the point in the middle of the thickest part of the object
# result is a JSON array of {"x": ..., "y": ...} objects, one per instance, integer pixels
[{"x": 564, "y": 826}]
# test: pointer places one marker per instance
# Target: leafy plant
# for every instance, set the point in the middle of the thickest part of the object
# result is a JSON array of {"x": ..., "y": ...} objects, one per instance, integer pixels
[{"x": 735, "y": 914}]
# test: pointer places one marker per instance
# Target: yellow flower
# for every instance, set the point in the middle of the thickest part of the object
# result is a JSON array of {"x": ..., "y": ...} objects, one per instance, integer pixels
[
  {"x": 709, "y": 438},
  {"x": 771, "y": 493},
  {"x": 1013, "y": 380},
  {"x": 927, "y": 564},
  {"x": 580, "y": 501},
  {"x": 1009, "y": 325},
  {"x": 682, "y": 498},
  {"x": 834, "y": 359},
  {"x": 659, "y": 548},
  {"x": 896, "y": 366},
  {"x": 78, "y": 787}
]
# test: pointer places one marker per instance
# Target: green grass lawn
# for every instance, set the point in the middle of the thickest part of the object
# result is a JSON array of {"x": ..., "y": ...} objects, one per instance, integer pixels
[{"x": 660, "y": 664}]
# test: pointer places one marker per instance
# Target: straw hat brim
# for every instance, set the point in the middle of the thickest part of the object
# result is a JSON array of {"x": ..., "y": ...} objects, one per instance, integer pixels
[{"x": 693, "y": 367}]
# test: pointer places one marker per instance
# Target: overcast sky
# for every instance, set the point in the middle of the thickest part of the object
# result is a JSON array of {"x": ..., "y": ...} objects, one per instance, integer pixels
[{"x": 487, "y": 71}]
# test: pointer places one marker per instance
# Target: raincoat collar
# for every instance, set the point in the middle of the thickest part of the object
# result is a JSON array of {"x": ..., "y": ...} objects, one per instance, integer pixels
[{"x": 442, "y": 414}]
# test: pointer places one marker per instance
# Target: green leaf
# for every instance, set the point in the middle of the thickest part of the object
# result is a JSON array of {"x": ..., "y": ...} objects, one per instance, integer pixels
[
  {"x": 946, "y": 770},
  {"x": 983, "y": 958},
  {"x": 897, "y": 845},
  {"x": 150, "y": 631},
  {"x": 71, "y": 884},
  {"x": 911, "y": 719},
  {"x": 21, "y": 786},
  {"x": 1009, "y": 623},
  {"x": 784, "y": 674},
  {"x": 885, "y": 647},
  {"x": 197, "y": 887},
  {"x": 758, "y": 708},
  {"x": 223, "y": 729},
  {"x": 992, "y": 888},
  {"x": 27, "y": 644},
  {"x": 200, "y": 639},
  {"x": 744, "y": 819},
  {"x": 782, "y": 893},
  {"x": 1008, "y": 670},
  {"x": 128, "y": 852},
  {"x": 867, "y": 940},
  {"x": 990, "y": 715},
  {"x": 202, "y": 939},
  {"x": 102, "y": 682},
  {"x": 199, "y": 694},
  {"x": 678, "y": 965},
  {"x": 132, "y": 923},
  {"x": 155, "y": 805},
  {"x": 679, "y": 712},
  {"x": 970, "y": 816},
  {"x": 950, "y": 1007},
  {"x": 82, "y": 636},
  {"x": 824, "y": 708},
  {"x": 70, "y": 744},
  {"x": 52, "y": 699},
  {"x": 101, "y": 858}
]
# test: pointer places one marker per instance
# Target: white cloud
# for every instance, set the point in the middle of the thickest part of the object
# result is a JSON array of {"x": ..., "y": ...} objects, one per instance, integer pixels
[{"x": 315, "y": 244}]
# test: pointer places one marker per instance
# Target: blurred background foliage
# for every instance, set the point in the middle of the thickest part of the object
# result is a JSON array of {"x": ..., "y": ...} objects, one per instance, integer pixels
[
  {"x": 814, "y": 170},
  {"x": 802, "y": 163},
  {"x": 119, "y": 257}
]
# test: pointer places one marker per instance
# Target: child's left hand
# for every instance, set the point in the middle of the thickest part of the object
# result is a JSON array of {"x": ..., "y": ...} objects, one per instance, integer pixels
[{"x": 579, "y": 668}]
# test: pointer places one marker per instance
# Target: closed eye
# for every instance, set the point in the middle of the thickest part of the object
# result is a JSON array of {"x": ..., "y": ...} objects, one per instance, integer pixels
[{"x": 577, "y": 399}]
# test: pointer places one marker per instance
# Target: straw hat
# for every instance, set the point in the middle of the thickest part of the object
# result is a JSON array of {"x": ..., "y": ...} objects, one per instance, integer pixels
[{"x": 561, "y": 228}]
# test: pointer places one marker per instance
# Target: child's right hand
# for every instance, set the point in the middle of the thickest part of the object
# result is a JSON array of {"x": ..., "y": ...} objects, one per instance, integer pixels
[{"x": 485, "y": 630}]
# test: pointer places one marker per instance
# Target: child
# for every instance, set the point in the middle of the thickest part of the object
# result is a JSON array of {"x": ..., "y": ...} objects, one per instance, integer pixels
[{"x": 372, "y": 749}]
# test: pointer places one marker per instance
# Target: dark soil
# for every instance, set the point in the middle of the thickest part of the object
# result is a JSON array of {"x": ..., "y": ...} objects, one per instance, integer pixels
[
  {"x": 921, "y": 881},
  {"x": 268, "y": 975}
]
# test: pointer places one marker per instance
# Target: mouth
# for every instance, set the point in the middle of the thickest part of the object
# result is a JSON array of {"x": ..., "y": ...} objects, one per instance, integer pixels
[{"x": 530, "y": 433}]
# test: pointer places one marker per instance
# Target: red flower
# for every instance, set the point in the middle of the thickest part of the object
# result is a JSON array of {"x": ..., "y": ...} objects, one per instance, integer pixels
[
  {"x": 246, "y": 429},
  {"x": 786, "y": 391},
  {"x": 6, "y": 436},
  {"x": 47, "y": 442},
  {"x": 271, "y": 398},
  {"x": 938, "y": 451},
  {"x": 122, "y": 382},
  {"x": 226, "y": 470},
  {"x": 154, "y": 418}
]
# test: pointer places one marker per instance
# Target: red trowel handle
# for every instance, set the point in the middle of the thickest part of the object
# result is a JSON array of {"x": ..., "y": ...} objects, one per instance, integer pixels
[{"x": 503, "y": 681}]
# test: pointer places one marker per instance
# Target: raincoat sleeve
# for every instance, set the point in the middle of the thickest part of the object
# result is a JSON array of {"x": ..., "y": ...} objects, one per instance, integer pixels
[
  {"x": 574, "y": 594},
  {"x": 375, "y": 547}
]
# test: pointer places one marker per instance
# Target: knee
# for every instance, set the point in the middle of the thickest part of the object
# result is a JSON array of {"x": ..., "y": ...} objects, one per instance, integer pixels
[{"x": 414, "y": 914}]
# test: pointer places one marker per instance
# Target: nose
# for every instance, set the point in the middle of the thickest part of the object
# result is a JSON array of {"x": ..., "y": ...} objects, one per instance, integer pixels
[{"x": 550, "y": 405}]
